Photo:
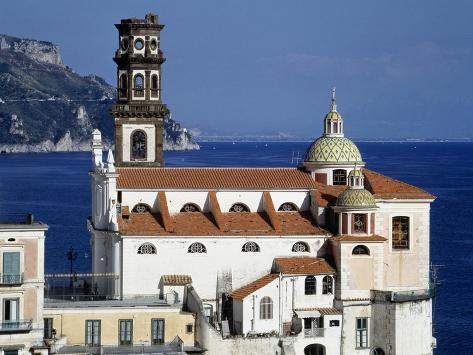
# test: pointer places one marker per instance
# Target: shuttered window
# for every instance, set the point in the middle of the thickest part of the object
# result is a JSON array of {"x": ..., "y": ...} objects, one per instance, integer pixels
[{"x": 11, "y": 268}]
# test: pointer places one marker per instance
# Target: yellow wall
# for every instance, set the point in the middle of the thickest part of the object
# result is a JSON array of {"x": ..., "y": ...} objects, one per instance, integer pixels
[{"x": 70, "y": 323}]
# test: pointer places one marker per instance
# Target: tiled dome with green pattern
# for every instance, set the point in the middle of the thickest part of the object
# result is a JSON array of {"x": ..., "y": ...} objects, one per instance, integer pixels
[
  {"x": 356, "y": 198},
  {"x": 333, "y": 150}
]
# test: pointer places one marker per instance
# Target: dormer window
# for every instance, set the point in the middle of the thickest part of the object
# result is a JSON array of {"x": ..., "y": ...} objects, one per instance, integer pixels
[
  {"x": 190, "y": 207},
  {"x": 239, "y": 207},
  {"x": 300, "y": 247},
  {"x": 339, "y": 177},
  {"x": 141, "y": 208},
  {"x": 147, "y": 248},
  {"x": 287, "y": 207},
  {"x": 359, "y": 223}
]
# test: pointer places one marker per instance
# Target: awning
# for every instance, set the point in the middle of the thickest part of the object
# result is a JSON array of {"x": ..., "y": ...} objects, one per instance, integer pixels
[{"x": 308, "y": 313}]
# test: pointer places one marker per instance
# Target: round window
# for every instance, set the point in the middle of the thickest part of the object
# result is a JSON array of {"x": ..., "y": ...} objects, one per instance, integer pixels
[
  {"x": 139, "y": 44},
  {"x": 124, "y": 44},
  {"x": 153, "y": 45}
]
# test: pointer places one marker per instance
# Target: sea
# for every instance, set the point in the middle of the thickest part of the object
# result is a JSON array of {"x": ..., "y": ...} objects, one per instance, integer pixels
[{"x": 55, "y": 187}]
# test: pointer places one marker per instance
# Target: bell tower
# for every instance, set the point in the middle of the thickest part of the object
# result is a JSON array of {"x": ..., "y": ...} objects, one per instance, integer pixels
[{"x": 139, "y": 112}]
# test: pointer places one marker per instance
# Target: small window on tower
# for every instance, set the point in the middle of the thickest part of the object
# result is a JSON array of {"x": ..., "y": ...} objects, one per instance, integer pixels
[
  {"x": 123, "y": 88},
  {"x": 124, "y": 44},
  {"x": 153, "y": 45},
  {"x": 359, "y": 223},
  {"x": 339, "y": 177},
  {"x": 139, "y": 44},
  {"x": 138, "y": 145},
  {"x": 138, "y": 85},
  {"x": 154, "y": 85}
]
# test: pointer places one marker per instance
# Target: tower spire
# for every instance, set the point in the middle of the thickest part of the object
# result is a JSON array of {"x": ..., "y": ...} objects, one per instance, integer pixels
[{"x": 333, "y": 106}]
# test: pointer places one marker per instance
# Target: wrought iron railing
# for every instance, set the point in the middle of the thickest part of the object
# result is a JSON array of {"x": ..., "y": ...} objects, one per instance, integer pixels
[
  {"x": 314, "y": 332},
  {"x": 16, "y": 325},
  {"x": 11, "y": 279}
]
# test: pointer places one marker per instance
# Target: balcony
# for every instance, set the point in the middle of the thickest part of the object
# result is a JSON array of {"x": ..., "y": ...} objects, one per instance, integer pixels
[
  {"x": 16, "y": 326},
  {"x": 403, "y": 296},
  {"x": 11, "y": 279},
  {"x": 314, "y": 333}
]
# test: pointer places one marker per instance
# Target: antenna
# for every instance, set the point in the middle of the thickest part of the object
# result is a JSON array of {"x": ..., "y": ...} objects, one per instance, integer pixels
[{"x": 295, "y": 160}]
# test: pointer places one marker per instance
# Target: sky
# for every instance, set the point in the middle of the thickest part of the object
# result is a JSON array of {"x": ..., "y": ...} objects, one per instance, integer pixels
[{"x": 402, "y": 69}]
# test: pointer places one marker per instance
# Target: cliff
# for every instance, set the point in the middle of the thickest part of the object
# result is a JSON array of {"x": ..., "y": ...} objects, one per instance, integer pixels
[{"x": 46, "y": 106}]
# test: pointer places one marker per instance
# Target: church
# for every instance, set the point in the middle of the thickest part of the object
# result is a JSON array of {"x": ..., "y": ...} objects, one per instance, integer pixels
[{"x": 329, "y": 257}]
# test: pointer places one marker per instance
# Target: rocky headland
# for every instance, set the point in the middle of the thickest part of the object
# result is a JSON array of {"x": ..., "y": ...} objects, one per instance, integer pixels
[{"x": 46, "y": 107}]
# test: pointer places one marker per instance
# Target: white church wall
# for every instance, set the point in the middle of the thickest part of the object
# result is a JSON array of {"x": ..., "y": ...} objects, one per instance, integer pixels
[
  {"x": 223, "y": 254},
  {"x": 300, "y": 198},
  {"x": 132, "y": 198},
  {"x": 177, "y": 199},
  {"x": 406, "y": 269},
  {"x": 252, "y": 199}
]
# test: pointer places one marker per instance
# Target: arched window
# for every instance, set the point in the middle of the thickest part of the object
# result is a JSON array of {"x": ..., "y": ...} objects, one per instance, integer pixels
[
  {"x": 138, "y": 85},
  {"x": 190, "y": 207},
  {"x": 400, "y": 232},
  {"x": 300, "y": 247},
  {"x": 141, "y": 208},
  {"x": 359, "y": 223},
  {"x": 378, "y": 351},
  {"x": 360, "y": 250},
  {"x": 197, "y": 248},
  {"x": 154, "y": 85},
  {"x": 310, "y": 285},
  {"x": 147, "y": 248},
  {"x": 266, "y": 308},
  {"x": 339, "y": 177},
  {"x": 239, "y": 207},
  {"x": 138, "y": 145},
  {"x": 327, "y": 285},
  {"x": 123, "y": 85},
  {"x": 288, "y": 207},
  {"x": 250, "y": 247}
]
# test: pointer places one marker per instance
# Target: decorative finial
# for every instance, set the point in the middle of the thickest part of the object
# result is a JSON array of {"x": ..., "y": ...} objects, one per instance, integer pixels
[{"x": 333, "y": 106}]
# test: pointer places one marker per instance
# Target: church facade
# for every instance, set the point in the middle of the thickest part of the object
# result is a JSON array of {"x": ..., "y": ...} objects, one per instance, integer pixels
[{"x": 330, "y": 256}]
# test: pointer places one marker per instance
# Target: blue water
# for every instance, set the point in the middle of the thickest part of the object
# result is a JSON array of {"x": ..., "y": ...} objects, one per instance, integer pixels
[{"x": 55, "y": 187}]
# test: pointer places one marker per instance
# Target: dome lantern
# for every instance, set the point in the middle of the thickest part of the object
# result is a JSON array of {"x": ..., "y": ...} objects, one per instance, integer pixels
[{"x": 333, "y": 122}]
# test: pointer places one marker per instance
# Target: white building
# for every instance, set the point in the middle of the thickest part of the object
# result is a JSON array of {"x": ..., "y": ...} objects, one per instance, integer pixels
[{"x": 226, "y": 229}]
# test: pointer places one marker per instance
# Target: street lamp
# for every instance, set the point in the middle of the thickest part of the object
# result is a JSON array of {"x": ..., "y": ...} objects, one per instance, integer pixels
[{"x": 71, "y": 256}]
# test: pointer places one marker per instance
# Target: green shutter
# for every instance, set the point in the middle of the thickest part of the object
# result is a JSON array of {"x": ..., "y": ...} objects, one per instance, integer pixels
[{"x": 11, "y": 263}]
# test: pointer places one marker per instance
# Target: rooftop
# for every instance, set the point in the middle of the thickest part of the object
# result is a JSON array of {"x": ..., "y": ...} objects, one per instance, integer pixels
[
  {"x": 179, "y": 280},
  {"x": 302, "y": 265},
  {"x": 214, "y": 178},
  {"x": 20, "y": 221},
  {"x": 139, "y": 302},
  {"x": 245, "y": 291},
  {"x": 204, "y": 224}
]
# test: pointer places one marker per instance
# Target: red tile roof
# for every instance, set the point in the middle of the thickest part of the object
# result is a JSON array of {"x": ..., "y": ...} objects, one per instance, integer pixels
[
  {"x": 358, "y": 238},
  {"x": 245, "y": 291},
  {"x": 214, "y": 178},
  {"x": 302, "y": 265},
  {"x": 384, "y": 187},
  {"x": 178, "y": 280},
  {"x": 203, "y": 224}
]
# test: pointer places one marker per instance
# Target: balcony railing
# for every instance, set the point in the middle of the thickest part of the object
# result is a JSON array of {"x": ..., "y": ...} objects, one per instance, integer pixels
[
  {"x": 314, "y": 332},
  {"x": 139, "y": 93},
  {"x": 11, "y": 279},
  {"x": 11, "y": 326}
]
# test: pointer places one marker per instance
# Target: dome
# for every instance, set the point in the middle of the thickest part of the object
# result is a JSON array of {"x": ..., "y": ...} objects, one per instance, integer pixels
[
  {"x": 356, "y": 173},
  {"x": 333, "y": 115},
  {"x": 333, "y": 150},
  {"x": 356, "y": 198}
]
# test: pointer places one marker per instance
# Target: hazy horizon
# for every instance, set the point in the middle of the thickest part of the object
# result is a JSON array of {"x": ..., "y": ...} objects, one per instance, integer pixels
[{"x": 402, "y": 70}]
